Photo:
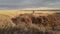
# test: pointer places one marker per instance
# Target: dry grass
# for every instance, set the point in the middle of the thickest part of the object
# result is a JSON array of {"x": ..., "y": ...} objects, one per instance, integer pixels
[
  {"x": 8, "y": 27},
  {"x": 5, "y": 24},
  {"x": 13, "y": 13},
  {"x": 52, "y": 27}
]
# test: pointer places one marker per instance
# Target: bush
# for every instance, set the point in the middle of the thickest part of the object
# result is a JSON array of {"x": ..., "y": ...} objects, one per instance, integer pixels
[{"x": 53, "y": 25}]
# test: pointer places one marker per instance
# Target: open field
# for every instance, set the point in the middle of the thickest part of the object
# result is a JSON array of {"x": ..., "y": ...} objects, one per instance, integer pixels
[
  {"x": 13, "y": 13},
  {"x": 27, "y": 22}
]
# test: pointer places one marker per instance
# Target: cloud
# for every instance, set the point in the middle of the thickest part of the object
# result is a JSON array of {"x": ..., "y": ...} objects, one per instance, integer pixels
[{"x": 18, "y": 4}]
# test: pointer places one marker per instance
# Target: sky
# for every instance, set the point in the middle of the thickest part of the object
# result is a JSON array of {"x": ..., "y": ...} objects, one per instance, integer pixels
[{"x": 19, "y": 4}]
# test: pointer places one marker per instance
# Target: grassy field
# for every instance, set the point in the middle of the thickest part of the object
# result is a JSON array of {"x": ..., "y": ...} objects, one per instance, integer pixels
[
  {"x": 13, "y": 13},
  {"x": 14, "y": 25}
]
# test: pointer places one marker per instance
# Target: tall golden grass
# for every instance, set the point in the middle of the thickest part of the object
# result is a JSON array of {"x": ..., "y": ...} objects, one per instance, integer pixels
[{"x": 7, "y": 26}]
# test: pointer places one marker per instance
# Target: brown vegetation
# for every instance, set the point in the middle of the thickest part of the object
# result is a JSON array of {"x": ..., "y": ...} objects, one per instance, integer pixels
[
  {"x": 5, "y": 24},
  {"x": 30, "y": 24}
]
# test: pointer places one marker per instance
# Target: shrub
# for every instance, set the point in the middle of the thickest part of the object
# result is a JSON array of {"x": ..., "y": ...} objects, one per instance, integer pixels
[{"x": 52, "y": 21}]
